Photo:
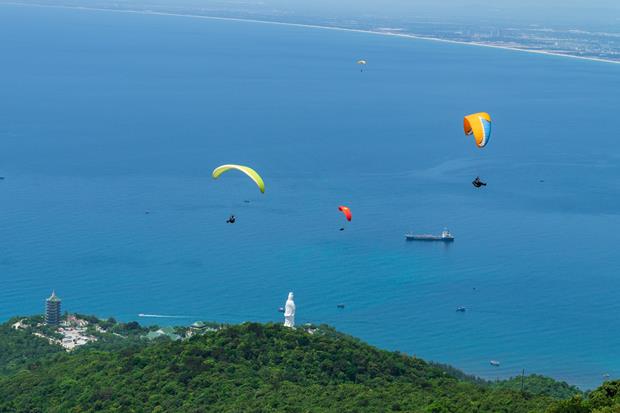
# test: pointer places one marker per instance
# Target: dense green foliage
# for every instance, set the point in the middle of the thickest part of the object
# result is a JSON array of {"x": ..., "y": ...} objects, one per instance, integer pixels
[
  {"x": 539, "y": 385},
  {"x": 605, "y": 399},
  {"x": 20, "y": 349},
  {"x": 255, "y": 368},
  {"x": 251, "y": 368},
  {"x": 117, "y": 336}
]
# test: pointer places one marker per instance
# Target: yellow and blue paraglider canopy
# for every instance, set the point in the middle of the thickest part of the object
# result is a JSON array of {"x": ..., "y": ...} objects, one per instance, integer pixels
[
  {"x": 361, "y": 62},
  {"x": 479, "y": 125},
  {"x": 245, "y": 169}
]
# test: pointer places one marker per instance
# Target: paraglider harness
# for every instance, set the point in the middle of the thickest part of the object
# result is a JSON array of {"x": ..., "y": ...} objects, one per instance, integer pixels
[
  {"x": 231, "y": 220},
  {"x": 478, "y": 183}
]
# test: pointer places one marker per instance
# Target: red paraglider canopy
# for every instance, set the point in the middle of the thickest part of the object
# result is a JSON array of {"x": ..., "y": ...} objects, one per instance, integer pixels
[{"x": 346, "y": 211}]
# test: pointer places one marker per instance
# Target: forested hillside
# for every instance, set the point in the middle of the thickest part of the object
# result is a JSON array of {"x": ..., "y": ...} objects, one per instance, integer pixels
[{"x": 261, "y": 368}]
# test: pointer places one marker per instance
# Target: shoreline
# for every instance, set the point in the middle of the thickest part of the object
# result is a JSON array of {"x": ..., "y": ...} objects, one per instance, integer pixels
[
  {"x": 315, "y": 26},
  {"x": 78, "y": 327},
  {"x": 204, "y": 27}
]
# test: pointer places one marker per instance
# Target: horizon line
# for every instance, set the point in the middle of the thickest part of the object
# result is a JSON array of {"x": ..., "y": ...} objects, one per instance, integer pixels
[{"x": 311, "y": 26}]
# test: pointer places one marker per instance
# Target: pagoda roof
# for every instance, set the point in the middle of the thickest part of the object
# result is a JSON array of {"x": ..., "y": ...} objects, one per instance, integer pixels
[{"x": 54, "y": 297}]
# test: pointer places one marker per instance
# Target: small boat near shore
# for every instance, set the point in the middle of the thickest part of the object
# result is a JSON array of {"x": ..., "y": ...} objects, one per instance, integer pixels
[{"x": 445, "y": 236}]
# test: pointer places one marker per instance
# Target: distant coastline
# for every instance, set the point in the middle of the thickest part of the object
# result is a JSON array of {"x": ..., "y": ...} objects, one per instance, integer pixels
[{"x": 315, "y": 26}]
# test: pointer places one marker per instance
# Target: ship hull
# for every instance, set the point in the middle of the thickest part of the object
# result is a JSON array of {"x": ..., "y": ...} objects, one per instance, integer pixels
[{"x": 428, "y": 238}]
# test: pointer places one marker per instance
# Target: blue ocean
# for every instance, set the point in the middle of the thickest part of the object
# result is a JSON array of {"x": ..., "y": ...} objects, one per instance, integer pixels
[{"x": 107, "y": 116}]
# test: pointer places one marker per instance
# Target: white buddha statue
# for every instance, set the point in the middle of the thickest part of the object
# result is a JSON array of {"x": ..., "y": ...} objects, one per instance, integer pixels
[{"x": 289, "y": 312}]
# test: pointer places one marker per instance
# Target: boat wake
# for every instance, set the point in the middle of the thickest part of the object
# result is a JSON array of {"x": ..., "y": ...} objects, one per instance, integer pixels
[{"x": 163, "y": 316}]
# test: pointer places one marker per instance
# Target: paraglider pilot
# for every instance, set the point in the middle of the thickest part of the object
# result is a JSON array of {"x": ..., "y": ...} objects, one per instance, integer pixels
[
  {"x": 231, "y": 219},
  {"x": 478, "y": 183}
]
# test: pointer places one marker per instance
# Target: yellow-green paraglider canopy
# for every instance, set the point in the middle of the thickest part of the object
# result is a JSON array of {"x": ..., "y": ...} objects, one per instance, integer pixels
[{"x": 245, "y": 169}]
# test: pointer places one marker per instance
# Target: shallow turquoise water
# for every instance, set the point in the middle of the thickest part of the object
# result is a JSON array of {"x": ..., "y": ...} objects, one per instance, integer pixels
[{"x": 105, "y": 115}]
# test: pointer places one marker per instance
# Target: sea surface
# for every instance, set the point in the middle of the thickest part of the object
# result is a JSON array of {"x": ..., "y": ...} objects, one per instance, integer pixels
[{"x": 106, "y": 116}]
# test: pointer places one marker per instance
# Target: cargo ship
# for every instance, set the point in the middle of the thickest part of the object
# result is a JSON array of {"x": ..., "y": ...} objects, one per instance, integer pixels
[{"x": 445, "y": 236}]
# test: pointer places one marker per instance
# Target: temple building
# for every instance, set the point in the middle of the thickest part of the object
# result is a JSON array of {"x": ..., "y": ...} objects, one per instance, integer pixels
[{"x": 52, "y": 310}]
